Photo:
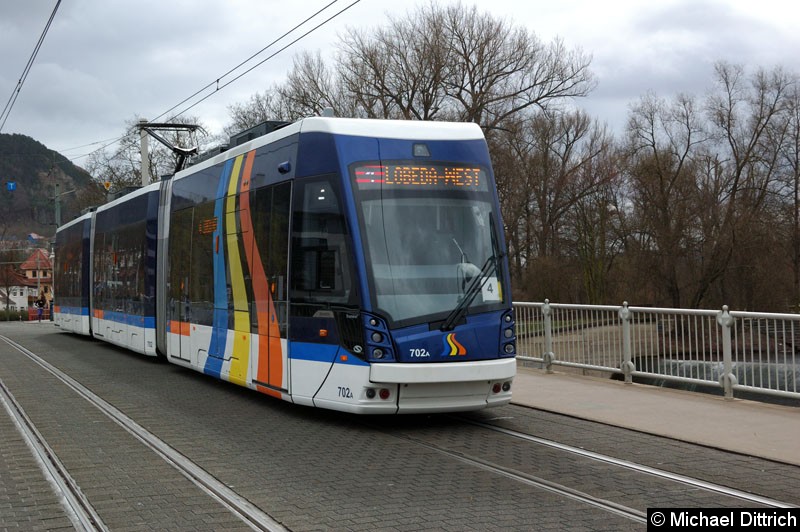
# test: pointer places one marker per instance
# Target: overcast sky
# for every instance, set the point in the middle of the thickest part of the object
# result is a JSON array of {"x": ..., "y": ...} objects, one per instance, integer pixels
[{"x": 104, "y": 62}]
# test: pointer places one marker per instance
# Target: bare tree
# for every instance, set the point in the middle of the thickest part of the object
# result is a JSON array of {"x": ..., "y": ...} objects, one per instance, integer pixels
[
  {"x": 499, "y": 70},
  {"x": 546, "y": 166},
  {"x": 122, "y": 167},
  {"x": 450, "y": 63},
  {"x": 703, "y": 188},
  {"x": 10, "y": 259},
  {"x": 662, "y": 138},
  {"x": 598, "y": 236},
  {"x": 309, "y": 88},
  {"x": 259, "y": 108},
  {"x": 790, "y": 155},
  {"x": 398, "y": 70},
  {"x": 746, "y": 114}
]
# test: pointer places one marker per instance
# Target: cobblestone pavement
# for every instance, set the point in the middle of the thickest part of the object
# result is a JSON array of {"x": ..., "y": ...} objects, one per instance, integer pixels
[
  {"x": 309, "y": 469},
  {"x": 27, "y": 499}
]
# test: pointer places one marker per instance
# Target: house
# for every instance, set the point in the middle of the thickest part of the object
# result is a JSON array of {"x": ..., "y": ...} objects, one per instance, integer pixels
[
  {"x": 20, "y": 286},
  {"x": 16, "y": 291},
  {"x": 38, "y": 273}
]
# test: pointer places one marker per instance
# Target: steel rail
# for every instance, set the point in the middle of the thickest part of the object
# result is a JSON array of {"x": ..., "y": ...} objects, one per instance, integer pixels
[
  {"x": 235, "y": 503},
  {"x": 536, "y": 482},
  {"x": 80, "y": 512},
  {"x": 659, "y": 473}
]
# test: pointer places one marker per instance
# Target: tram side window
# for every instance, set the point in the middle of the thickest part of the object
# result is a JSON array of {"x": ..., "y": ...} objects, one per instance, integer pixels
[
  {"x": 100, "y": 282},
  {"x": 129, "y": 262},
  {"x": 68, "y": 278},
  {"x": 203, "y": 246},
  {"x": 270, "y": 209},
  {"x": 119, "y": 269},
  {"x": 321, "y": 266},
  {"x": 72, "y": 270},
  {"x": 180, "y": 247}
]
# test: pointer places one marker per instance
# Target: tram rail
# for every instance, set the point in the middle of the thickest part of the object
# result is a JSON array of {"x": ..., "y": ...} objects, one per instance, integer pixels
[
  {"x": 235, "y": 503},
  {"x": 78, "y": 509},
  {"x": 641, "y": 468},
  {"x": 495, "y": 449}
]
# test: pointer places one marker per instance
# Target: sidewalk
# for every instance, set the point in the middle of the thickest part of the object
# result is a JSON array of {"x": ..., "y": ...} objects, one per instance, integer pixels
[{"x": 747, "y": 427}]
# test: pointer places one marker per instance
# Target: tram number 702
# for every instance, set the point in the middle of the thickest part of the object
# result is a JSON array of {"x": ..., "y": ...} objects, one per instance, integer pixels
[{"x": 345, "y": 392}]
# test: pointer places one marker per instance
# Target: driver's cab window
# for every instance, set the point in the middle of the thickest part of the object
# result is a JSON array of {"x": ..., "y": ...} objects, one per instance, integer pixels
[{"x": 321, "y": 266}]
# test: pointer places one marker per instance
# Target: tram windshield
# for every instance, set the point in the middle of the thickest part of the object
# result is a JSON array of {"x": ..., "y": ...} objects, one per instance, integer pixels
[{"x": 427, "y": 234}]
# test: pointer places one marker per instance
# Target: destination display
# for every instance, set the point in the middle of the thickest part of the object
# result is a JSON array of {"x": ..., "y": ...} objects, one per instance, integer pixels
[{"x": 432, "y": 176}]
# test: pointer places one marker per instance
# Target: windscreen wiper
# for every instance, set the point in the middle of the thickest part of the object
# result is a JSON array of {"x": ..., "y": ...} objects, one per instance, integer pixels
[
  {"x": 477, "y": 283},
  {"x": 475, "y": 286}
]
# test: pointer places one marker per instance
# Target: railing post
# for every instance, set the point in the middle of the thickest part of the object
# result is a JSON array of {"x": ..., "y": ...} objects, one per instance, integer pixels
[
  {"x": 727, "y": 380},
  {"x": 627, "y": 360},
  {"x": 548, "y": 356}
]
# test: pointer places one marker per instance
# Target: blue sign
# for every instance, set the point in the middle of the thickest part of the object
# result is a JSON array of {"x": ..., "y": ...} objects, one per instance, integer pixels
[{"x": 11, "y": 185}]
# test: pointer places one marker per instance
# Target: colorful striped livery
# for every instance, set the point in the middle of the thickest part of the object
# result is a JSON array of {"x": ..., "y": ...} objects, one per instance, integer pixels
[{"x": 348, "y": 264}]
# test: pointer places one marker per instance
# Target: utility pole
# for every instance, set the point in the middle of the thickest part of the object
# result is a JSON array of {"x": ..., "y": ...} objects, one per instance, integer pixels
[
  {"x": 145, "y": 152},
  {"x": 181, "y": 154},
  {"x": 56, "y": 197},
  {"x": 57, "y": 200}
]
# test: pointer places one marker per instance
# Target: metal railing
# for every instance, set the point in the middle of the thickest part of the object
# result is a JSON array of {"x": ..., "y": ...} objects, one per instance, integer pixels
[{"x": 730, "y": 350}]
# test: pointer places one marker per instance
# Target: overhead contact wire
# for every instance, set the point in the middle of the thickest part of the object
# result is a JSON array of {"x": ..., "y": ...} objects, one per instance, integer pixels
[
  {"x": 15, "y": 93},
  {"x": 315, "y": 28},
  {"x": 217, "y": 80}
]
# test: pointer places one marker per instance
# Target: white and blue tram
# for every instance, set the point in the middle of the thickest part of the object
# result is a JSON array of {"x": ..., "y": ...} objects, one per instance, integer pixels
[
  {"x": 349, "y": 264},
  {"x": 71, "y": 275}
]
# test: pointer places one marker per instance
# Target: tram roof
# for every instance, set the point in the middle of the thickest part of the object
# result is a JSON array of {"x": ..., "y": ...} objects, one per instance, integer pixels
[
  {"x": 393, "y": 129},
  {"x": 358, "y": 127},
  {"x": 74, "y": 221},
  {"x": 122, "y": 199}
]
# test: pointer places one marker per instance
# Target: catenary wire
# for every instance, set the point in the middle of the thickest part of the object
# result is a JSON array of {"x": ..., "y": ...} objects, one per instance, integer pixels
[
  {"x": 87, "y": 145},
  {"x": 269, "y": 57},
  {"x": 15, "y": 93},
  {"x": 216, "y": 81}
]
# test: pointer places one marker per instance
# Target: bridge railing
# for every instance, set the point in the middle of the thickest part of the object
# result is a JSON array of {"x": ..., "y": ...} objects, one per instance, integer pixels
[{"x": 731, "y": 350}]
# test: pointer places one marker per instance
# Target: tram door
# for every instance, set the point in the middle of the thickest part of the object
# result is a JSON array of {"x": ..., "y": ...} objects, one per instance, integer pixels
[
  {"x": 270, "y": 208},
  {"x": 180, "y": 249},
  {"x": 322, "y": 280}
]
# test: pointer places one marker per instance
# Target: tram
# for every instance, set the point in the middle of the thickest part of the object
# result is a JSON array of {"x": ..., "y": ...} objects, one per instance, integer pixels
[
  {"x": 71, "y": 275},
  {"x": 356, "y": 265}
]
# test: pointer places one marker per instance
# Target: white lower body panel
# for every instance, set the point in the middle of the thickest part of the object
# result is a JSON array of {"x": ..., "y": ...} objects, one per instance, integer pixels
[
  {"x": 414, "y": 388},
  {"x": 133, "y": 337},
  {"x": 75, "y": 323}
]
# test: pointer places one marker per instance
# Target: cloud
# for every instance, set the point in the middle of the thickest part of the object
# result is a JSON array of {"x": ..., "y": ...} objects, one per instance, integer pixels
[
  {"x": 103, "y": 63},
  {"x": 671, "y": 47}
]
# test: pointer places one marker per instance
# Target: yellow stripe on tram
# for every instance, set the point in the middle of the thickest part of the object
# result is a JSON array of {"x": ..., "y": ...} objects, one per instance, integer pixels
[{"x": 241, "y": 316}]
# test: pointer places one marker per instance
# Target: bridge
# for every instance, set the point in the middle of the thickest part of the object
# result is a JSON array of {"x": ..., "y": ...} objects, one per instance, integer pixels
[
  {"x": 96, "y": 438},
  {"x": 751, "y": 354}
]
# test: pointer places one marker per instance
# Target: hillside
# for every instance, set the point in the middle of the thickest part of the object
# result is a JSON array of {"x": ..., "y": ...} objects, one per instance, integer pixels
[{"x": 36, "y": 170}]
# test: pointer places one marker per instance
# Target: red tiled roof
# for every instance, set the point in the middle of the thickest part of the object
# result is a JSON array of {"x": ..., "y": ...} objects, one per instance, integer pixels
[
  {"x": 10, "y": 277},
  {"x": 43, "y": 258}
]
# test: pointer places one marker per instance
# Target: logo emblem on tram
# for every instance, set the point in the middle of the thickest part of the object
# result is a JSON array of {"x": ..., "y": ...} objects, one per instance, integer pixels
[{"x": 451, "y": 346}]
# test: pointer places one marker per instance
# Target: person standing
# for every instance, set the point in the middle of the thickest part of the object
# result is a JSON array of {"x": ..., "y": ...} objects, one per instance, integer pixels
[{"x": 40, "y": 303}]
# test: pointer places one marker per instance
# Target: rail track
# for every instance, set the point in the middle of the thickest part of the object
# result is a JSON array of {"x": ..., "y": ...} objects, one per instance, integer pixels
[
  {"x": 473, "y": 441},
  {"x": 78, "y": 506}
]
